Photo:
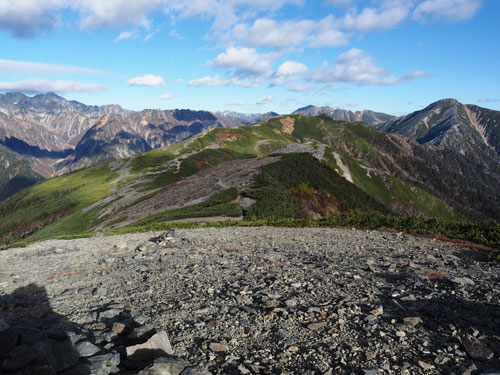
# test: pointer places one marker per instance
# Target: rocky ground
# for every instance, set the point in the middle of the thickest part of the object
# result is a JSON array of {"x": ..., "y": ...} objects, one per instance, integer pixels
[{"x": 250, "y": 301}]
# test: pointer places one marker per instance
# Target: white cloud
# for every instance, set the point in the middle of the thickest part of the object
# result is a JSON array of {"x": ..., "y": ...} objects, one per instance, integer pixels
[
  {"x": 96, "y": 14},
  {"x": 28, "y": 18},
  {"x": 244, "y": 60},
  {"x": 389, "y": 15},
  {"x": 291, "y": 68},
  {"x": 168, "y": 96},
  {"x": 217, "y": 81},
  {"x": 453, "y": 10},
  {"x": 288, "y": 71},
  {"x": 178, "y": 80},
  {"x": 148, "y": 37},
  {"x": 236, "y": 102},
  {"x": 125, "y": 35},
  {"x": 356, "y": 66},
  {"x": 176, "y": 34},
  {"x": 351, "y": 104},
  {"x": 38, "y": 67},
  {"x": 265, "y": 100},
  {"x": 487, "y": 100},
  {"x": 272, "y": 34},
  {"x": 36, "y": 85},
  {"x": 339, "y": 3},
  {"x": 303, "y": 87},
  {"x": 146, "y": 80}
]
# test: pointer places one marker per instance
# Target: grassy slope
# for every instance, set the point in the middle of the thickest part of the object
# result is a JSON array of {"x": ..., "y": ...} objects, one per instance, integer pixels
[{"x": 65, "y": 197}]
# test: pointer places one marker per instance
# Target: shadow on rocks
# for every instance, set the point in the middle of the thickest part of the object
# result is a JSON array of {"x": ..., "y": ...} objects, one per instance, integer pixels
[
  {"x": 448, "y": 322},
  {"x": 36, "y": 340}
]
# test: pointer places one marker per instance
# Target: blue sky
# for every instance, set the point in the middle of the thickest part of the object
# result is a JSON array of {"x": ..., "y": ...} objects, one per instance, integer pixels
[{"x": 392, "y": 56}]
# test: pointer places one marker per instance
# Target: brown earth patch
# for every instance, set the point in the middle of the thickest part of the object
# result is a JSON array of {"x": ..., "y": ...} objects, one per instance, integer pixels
[
  {"x": 226, "y": 135},
  {"x": 288, "y": 125},
  {"x": 313, "y": 203}
]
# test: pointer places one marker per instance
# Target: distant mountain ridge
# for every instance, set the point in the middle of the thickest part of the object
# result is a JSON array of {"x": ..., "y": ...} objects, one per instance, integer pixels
[
  {"x": 50, "y": 135},
  {"x": 246, "y": 118},
  {"x": 448, "y": 124},
  {"x": 366, "y": 116},
  {"x": 46, "y": 135}
]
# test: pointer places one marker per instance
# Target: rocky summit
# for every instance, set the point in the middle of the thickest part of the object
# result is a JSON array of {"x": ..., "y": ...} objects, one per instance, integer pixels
[{"x": 249, "y": 301}]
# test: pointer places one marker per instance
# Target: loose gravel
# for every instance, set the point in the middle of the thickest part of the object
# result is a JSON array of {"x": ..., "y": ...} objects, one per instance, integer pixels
[{"x": 274, "y": 300}]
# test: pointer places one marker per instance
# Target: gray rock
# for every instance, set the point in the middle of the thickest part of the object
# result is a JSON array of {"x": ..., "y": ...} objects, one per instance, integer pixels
[
  {"x": 142, "y": 332},
  {"x": 64, "y": 354},
  {"x": 86, "y": 349},
  {"x": 165, "y": 366},
  {"x": 157, "y": 346},
  {"x": 195, "y": 371},
  {"x": 463, "y": 281},
  {"x": 476, "y": 349}
]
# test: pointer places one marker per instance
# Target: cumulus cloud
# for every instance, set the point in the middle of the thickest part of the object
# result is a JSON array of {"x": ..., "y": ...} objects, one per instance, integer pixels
[
  {"x": 273, "y": 34},
  {"x": 125, "y": 35},
  {"x": 452, "y": 10},
  {"x": 217, "y": 81},
  {"x": 36, "y": 85},
  {"x": 244, "y": 60},
  {"x": 356, "y": 66},
  {"x": 39, "y": 67},
  {"x": 146, "y": 80},
  {"x": 287, "y": 72},
  {"x": 291, "y": 68},
  {"x": 26, "y": 19},
  {"x": 389, "y": 15},
  {"x": 265, "y": 100},
  {"x": 168, "y": 96},
  {"x": 178, "y": 80}
]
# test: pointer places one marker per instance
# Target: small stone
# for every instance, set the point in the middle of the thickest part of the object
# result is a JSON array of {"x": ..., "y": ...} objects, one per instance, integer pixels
[
  {"x": 157, "y": 346},
  {"x": 400, "y": 333},
  {"x": 86, "y": 349},
  {"x": 412, "y": 321},
  {"x": 142, "y": 332},
  {"x": 243, "y": 370},
  {"x": 195, "y": 371},
  {"x": 110, "y": 314},
  {"x": 425, "y": 365},
  {"x": 411, "y": 297},
  {"x": 291, "y": 303},
  {"x": 165, "y": 366},
  {"x": 463, "y": 281},
  {"x": 293, "y": 349},
  {"x": 218, "y": 347},
  {"x": 378, "y": 311},
  {"x": 101, "y": 292},
  {"x": 476, "y": 349},
  {"x": 491, "y": 371},
  {"x": 119, "y": 328},
  {"x": 316, "y": 326}
]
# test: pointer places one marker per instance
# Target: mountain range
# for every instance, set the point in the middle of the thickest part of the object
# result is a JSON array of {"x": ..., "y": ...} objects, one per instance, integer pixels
[
  {"x": 289, "y": 166},
  {"x": 46, "y": 135}
]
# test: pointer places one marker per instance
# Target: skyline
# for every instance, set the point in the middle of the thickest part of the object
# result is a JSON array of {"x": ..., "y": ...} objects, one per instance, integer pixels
[{"x": 390, "y": 56}]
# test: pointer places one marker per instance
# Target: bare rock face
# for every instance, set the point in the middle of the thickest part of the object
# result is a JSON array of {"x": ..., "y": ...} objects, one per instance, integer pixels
[
  {"x": 368, "y": 117},
  {"x": 449, "y": 124},
  {"x": 46, "y": 135}
]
